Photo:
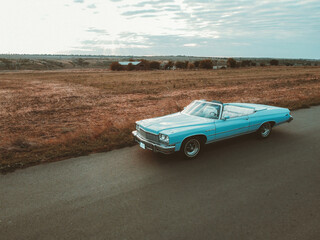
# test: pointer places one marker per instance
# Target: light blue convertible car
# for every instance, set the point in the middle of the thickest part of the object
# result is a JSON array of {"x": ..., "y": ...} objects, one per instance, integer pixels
[{"x": 204, "y": 122}]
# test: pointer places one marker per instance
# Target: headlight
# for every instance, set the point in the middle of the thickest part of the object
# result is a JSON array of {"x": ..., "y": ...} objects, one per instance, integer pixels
[
  {"x": 164, "y": 138},
  {"x": 137, "y": 127}
]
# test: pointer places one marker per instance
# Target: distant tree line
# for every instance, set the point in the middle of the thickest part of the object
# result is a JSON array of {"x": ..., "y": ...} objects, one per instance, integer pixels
[
  {"x": 199, "y": 64},
  {"x": 40, "y": 64},
  {"x": 232, "y": 63},
  {"x": 166, "y": 65},
  {"x": 48, "y": 64}
]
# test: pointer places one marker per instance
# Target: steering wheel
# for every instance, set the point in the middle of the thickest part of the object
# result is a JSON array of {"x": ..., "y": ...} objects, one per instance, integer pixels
[{"x": 213, "y": 114}]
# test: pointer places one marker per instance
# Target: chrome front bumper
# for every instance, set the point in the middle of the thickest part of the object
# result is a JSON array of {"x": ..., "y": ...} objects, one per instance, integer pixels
[
  {"x": 290, "y": 119},
  {"x": 153, "y": 146}
]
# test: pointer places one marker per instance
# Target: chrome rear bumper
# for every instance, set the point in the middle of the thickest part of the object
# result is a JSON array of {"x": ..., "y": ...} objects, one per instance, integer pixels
[{"x": 153, "y": 146}]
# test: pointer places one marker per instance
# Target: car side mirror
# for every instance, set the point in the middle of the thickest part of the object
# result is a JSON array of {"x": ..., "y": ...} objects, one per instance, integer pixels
[{"x": 225, "y": 118}]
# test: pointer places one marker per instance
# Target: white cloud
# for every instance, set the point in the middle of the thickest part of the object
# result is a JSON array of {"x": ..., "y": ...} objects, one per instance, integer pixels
[
  {"x": 190, "y": 45},
  {"x": 92, "y": 6},
  {"x": 283, "y": 27}
]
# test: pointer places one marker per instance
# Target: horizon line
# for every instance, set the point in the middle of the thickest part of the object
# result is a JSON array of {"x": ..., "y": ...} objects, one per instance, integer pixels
[{"x": 138, "y": 56}]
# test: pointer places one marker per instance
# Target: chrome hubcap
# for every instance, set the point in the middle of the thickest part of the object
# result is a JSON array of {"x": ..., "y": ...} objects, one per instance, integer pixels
[
  {"x": 265, "y": 130},
  {"x": 192, "y": 148}
]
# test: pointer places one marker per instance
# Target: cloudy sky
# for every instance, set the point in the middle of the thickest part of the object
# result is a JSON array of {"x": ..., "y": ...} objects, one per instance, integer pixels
[{"x": 247, "y": 28}]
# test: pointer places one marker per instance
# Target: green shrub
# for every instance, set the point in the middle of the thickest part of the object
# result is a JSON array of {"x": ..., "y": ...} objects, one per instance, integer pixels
[
  {"x": 206, "y": 64},
  {"x": 154, "y": 65},
  {"x": 115, "y": 66},
  {"x": 231, "y": 63},
  {"x": 274, "y": 62}
]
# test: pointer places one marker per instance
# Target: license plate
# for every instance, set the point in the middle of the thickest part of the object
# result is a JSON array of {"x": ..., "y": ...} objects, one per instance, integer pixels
[{"x": 142, "y": 145}]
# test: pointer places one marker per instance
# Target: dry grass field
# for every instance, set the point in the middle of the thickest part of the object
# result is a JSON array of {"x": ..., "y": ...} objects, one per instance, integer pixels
[{"x": 51, "y": 115}]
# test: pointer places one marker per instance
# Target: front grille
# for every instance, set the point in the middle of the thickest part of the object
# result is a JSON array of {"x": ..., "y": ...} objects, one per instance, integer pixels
[{"x": 148, "y": 136}]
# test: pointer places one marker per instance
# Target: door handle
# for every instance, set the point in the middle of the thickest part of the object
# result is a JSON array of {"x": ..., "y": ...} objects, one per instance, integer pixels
[{"x": 247, "y": 118}]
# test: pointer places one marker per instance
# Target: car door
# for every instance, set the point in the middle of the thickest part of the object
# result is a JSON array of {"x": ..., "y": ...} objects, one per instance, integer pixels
[{"x": 231, "y": 127}]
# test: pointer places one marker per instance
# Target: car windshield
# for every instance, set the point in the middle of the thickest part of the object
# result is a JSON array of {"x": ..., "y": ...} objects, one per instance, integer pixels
[{"x": 203, "y": 109}]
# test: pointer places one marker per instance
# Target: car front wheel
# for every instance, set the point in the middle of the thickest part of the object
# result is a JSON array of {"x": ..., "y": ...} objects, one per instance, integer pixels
[
  {"x": 265, "y": 130},
  {"x": 191, "y": 147}
]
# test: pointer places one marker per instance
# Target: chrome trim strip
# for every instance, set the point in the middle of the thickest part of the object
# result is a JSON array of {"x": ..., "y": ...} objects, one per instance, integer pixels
[
  {"x": 210, "y": 130},
  {"x": 226, "y": 131},
  {"x": 274, "y": 114},
  {"x": 155, "y": 135},
  {"x": 221, "y": 110},
  {"x": 195, "y": 134},
  {"x": 155, "y": 147},
  {"x": 231, "y": 130},
  {"x": 148, "y": 131},
  {"x": 254, "y": 124},
  {"x": 220, "y": 139}
]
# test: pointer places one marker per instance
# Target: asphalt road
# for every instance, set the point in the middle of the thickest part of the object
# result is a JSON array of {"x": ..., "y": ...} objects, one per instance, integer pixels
[{"x": 241, "y": 188}]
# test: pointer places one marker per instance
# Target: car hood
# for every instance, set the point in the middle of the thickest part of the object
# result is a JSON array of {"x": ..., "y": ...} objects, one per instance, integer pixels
[{"x": 172, "y": 122}]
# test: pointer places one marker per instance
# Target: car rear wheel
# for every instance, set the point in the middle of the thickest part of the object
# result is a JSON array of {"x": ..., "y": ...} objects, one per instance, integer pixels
[
  {"x": 191, "y": 147},
  {"x": 265, "y": 130}
]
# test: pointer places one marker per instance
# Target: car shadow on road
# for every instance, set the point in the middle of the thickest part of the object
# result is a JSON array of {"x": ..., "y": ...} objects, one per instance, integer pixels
[
  {"x": 208, "y": 149},
  {"x": 228, "y": 148}
]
